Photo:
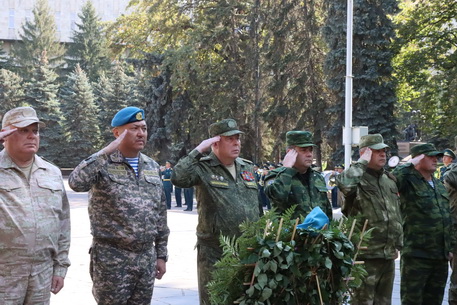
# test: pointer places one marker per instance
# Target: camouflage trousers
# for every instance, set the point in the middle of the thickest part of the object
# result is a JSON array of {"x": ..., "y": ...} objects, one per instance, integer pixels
[
  {"x": 453, "y": 285},
  {"x": 422, "y": 280},
  {"x": 376, "y": 289},
  {"x": 207, "y": 256},
  {"x": 122, "y": 277},
  {"x": 26, "y": 289}
]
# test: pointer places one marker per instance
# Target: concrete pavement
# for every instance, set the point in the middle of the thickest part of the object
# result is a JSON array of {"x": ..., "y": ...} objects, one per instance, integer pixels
[{"x": 179, "y": 284}]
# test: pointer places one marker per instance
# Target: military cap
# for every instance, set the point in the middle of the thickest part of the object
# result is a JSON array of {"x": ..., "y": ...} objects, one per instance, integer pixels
[
  {"x": 373, "y": 141},
  {"x": 339, "y": 166},
  {"x": 127, "y": 115},
  {"x": 226, "y": 127},
  {"x": 21, "y": 117},
  {"x": 299, "y": 138},
  {"x": 427, "y": 149},
  {"x": 448, "y": 152}
]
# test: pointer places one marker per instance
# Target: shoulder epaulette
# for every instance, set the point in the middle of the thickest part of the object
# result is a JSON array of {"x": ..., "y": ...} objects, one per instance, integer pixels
[
  {"x": 391, "y": 176},
  {"x": 206, "y": 158},
  {"x": 52, "y": 163},
  {"x": 247, "y": 161}
]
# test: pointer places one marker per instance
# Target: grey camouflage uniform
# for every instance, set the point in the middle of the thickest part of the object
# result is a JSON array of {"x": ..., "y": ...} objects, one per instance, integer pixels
[
  {"x": 223, "y": 203},
  {"x": 373, "y": 195},
  {"x": 34, "y": 230},
  {"x": 128, "y": 217}
]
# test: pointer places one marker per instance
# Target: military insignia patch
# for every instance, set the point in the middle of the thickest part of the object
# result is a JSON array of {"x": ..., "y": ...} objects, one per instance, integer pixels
[
  {"x": 270, "y": 181},
  {"x": 139, "y": 116},
  {"x": 247, "y": 176},
  {"x": 231, "y": 124}
]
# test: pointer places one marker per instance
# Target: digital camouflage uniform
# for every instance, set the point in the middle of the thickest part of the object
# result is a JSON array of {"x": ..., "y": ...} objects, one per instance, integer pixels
[
  {"x": 427, "y": 237},
  {"x": 34, "y": 231},
  {"x": 223, "y": 203},
  {"x": 450, "y": 182},
  {"x": 373, "y": 195},
  {"x": 287, "y": 187},
  {"x": 128, "y": 217}
]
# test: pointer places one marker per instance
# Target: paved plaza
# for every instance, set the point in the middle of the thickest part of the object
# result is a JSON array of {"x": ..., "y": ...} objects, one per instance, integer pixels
[{"x": 179, "y": 284}]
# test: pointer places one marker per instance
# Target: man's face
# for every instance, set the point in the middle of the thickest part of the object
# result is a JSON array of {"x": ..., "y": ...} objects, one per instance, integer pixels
[
  {"x": 24, "y": 141},
  {"x": 228, "y": 147},
  {"x": 378, "y": 159},
  {"x": 135, "y": 139},
  {"x": 304, "y": 158},
  {"x": 447, "y": 160},
  {"x": 428, "y": 164}
]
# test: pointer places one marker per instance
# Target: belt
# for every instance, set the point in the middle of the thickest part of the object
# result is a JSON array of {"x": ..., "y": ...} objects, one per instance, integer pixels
[{"x": 166, "y": 179}]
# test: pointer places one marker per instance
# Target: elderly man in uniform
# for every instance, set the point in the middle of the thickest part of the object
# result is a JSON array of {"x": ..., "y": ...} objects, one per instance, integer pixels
[
  {"x": 426, "y": 217},
  {"x": 128, "y": 214},
  {"x": 226, "y": 193},
  {"x": 296, "y": 183},
  {"x": 371, "y": 193},
  {"x": 34, "y": 213}
]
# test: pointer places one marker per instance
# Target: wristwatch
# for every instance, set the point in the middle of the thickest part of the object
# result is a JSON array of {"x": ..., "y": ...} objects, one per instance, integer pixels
[{"x": 165, "y": 258}]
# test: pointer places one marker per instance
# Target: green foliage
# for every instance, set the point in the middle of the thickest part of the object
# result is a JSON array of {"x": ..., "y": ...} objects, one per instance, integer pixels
[
  {"x": 261, "y": 267},
  {"x": 81, "y": 128},
  {"x": 89, "y": 48},
  {"x": 11, "y": 92},
  {"x": 426, "y": 68},
  {"x": 41, "y": 94},
  {"x": 38, "y": 36}
]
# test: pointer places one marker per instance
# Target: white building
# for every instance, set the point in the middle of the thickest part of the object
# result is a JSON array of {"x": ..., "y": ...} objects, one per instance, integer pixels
[{"x": 13, "y": 14}]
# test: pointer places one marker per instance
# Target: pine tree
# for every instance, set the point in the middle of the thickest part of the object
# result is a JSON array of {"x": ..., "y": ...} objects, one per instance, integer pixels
[
  {"x": 38, "y": 35},
  {"x": 89, "y": 47},
  {"x": 114, "y": 92},
  {"x": 373, "y": 82},
  {"x": 41, "y": 93},
  {"x": 11, "y": 92},
  {"x": 81, "y": 127}
]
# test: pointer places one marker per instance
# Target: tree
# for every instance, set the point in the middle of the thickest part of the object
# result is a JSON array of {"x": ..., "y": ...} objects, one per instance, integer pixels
[
  {"x": 426, "y": 67},
  {"x": 41, "y": 93},
  {"x": 90, "y": 47},
  {"x": 11, "y": 92},
  {"x": 81, "y": 129},
  {"x": 114, "y": 92},
  {"x": 374, "y": 85}
]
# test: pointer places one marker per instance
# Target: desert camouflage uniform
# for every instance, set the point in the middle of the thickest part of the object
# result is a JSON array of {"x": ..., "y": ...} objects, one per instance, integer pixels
[
  {"x": 128, "y": 217},
  {"x": 427, "y": 237},
  {"x": 223, "y": 203},
  {"x": 34, "y": 231},
  {"x": 373, "y": 195},
  {"x": 450, "y": 182},
  {"x": 287, "y": 187}
]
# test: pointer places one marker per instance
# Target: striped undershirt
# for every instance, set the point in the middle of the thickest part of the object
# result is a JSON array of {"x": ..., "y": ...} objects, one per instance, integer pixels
[{"x": 133, "y": 163}]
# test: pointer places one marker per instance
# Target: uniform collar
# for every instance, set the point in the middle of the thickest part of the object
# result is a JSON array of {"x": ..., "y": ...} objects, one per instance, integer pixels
[
  {"x": 117, "y": 157},
  {"x": 6, "y": 161},
  {"x": 214, "y": 161}
]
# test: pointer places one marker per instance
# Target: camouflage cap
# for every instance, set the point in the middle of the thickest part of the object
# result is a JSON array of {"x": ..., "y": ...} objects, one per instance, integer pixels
[
  {"x": 373, "y": 141},
  {"x": 448, "y": 152},
  {"x": 299, "y": 138},
  {"x": 21, "y": 117},
  {"x": 226, "y": 127},
  {"x": 427, "y": 149}
]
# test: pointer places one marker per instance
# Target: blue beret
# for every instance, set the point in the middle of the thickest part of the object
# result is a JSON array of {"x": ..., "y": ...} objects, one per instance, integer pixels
[{"x": 127, "y": 115}]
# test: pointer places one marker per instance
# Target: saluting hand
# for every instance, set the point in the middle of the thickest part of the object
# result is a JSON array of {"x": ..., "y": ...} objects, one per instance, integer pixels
[
  {"x": 111, "y": 147},
  {"x": 366, "y": 154},
  {"x": 206, "y": 144},
  {"x": 417, "y": 159},
  {"x": 290, "y": 158},
  {"x": 5, "y": 133}
]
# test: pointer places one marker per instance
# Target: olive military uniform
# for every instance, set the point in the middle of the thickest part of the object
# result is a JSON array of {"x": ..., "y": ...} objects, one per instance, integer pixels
[
  {"x": 223, "y": 203},
  {"x": 427, "y": 233},
  {"x": 450, "y": 182}
]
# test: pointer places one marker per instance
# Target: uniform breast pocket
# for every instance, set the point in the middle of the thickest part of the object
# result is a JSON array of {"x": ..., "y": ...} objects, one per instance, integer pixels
[
  {"x": 120, "y": 179},
  {"x": 10, "y": 194}
]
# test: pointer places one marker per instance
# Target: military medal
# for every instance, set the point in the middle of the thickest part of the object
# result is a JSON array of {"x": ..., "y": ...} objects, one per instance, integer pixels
[{"x": 247, "y": 176}]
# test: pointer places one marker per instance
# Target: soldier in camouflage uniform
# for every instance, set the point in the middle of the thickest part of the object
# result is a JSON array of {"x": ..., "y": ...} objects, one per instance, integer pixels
[
  {"x": 128, "y": 214},
  {"x": 371, "y": 193},
  {"x": 226, "y": 194},
  {"x": 296, "y": 183},
  {"x": 426, "y": 227},
  {"x": 448, "y": 158},
  {"x": 34, "y": 215},
  {"x": 450, "y": 182}
]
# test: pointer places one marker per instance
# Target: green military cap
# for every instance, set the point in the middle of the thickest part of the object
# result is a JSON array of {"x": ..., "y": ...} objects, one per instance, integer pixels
[
  {"x": 448, "y": 152},
  {"x": 373, "y": 141},
  {"x": 226, "y": 127},
  {"x": 299, "y": 138},
  {"x": 427, "y": 149}
]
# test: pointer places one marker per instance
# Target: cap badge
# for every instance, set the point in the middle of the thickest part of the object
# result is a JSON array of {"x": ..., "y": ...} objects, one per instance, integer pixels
[
  {"x": 139, "y": 116},
  {"x": 231, "y": 124}
]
